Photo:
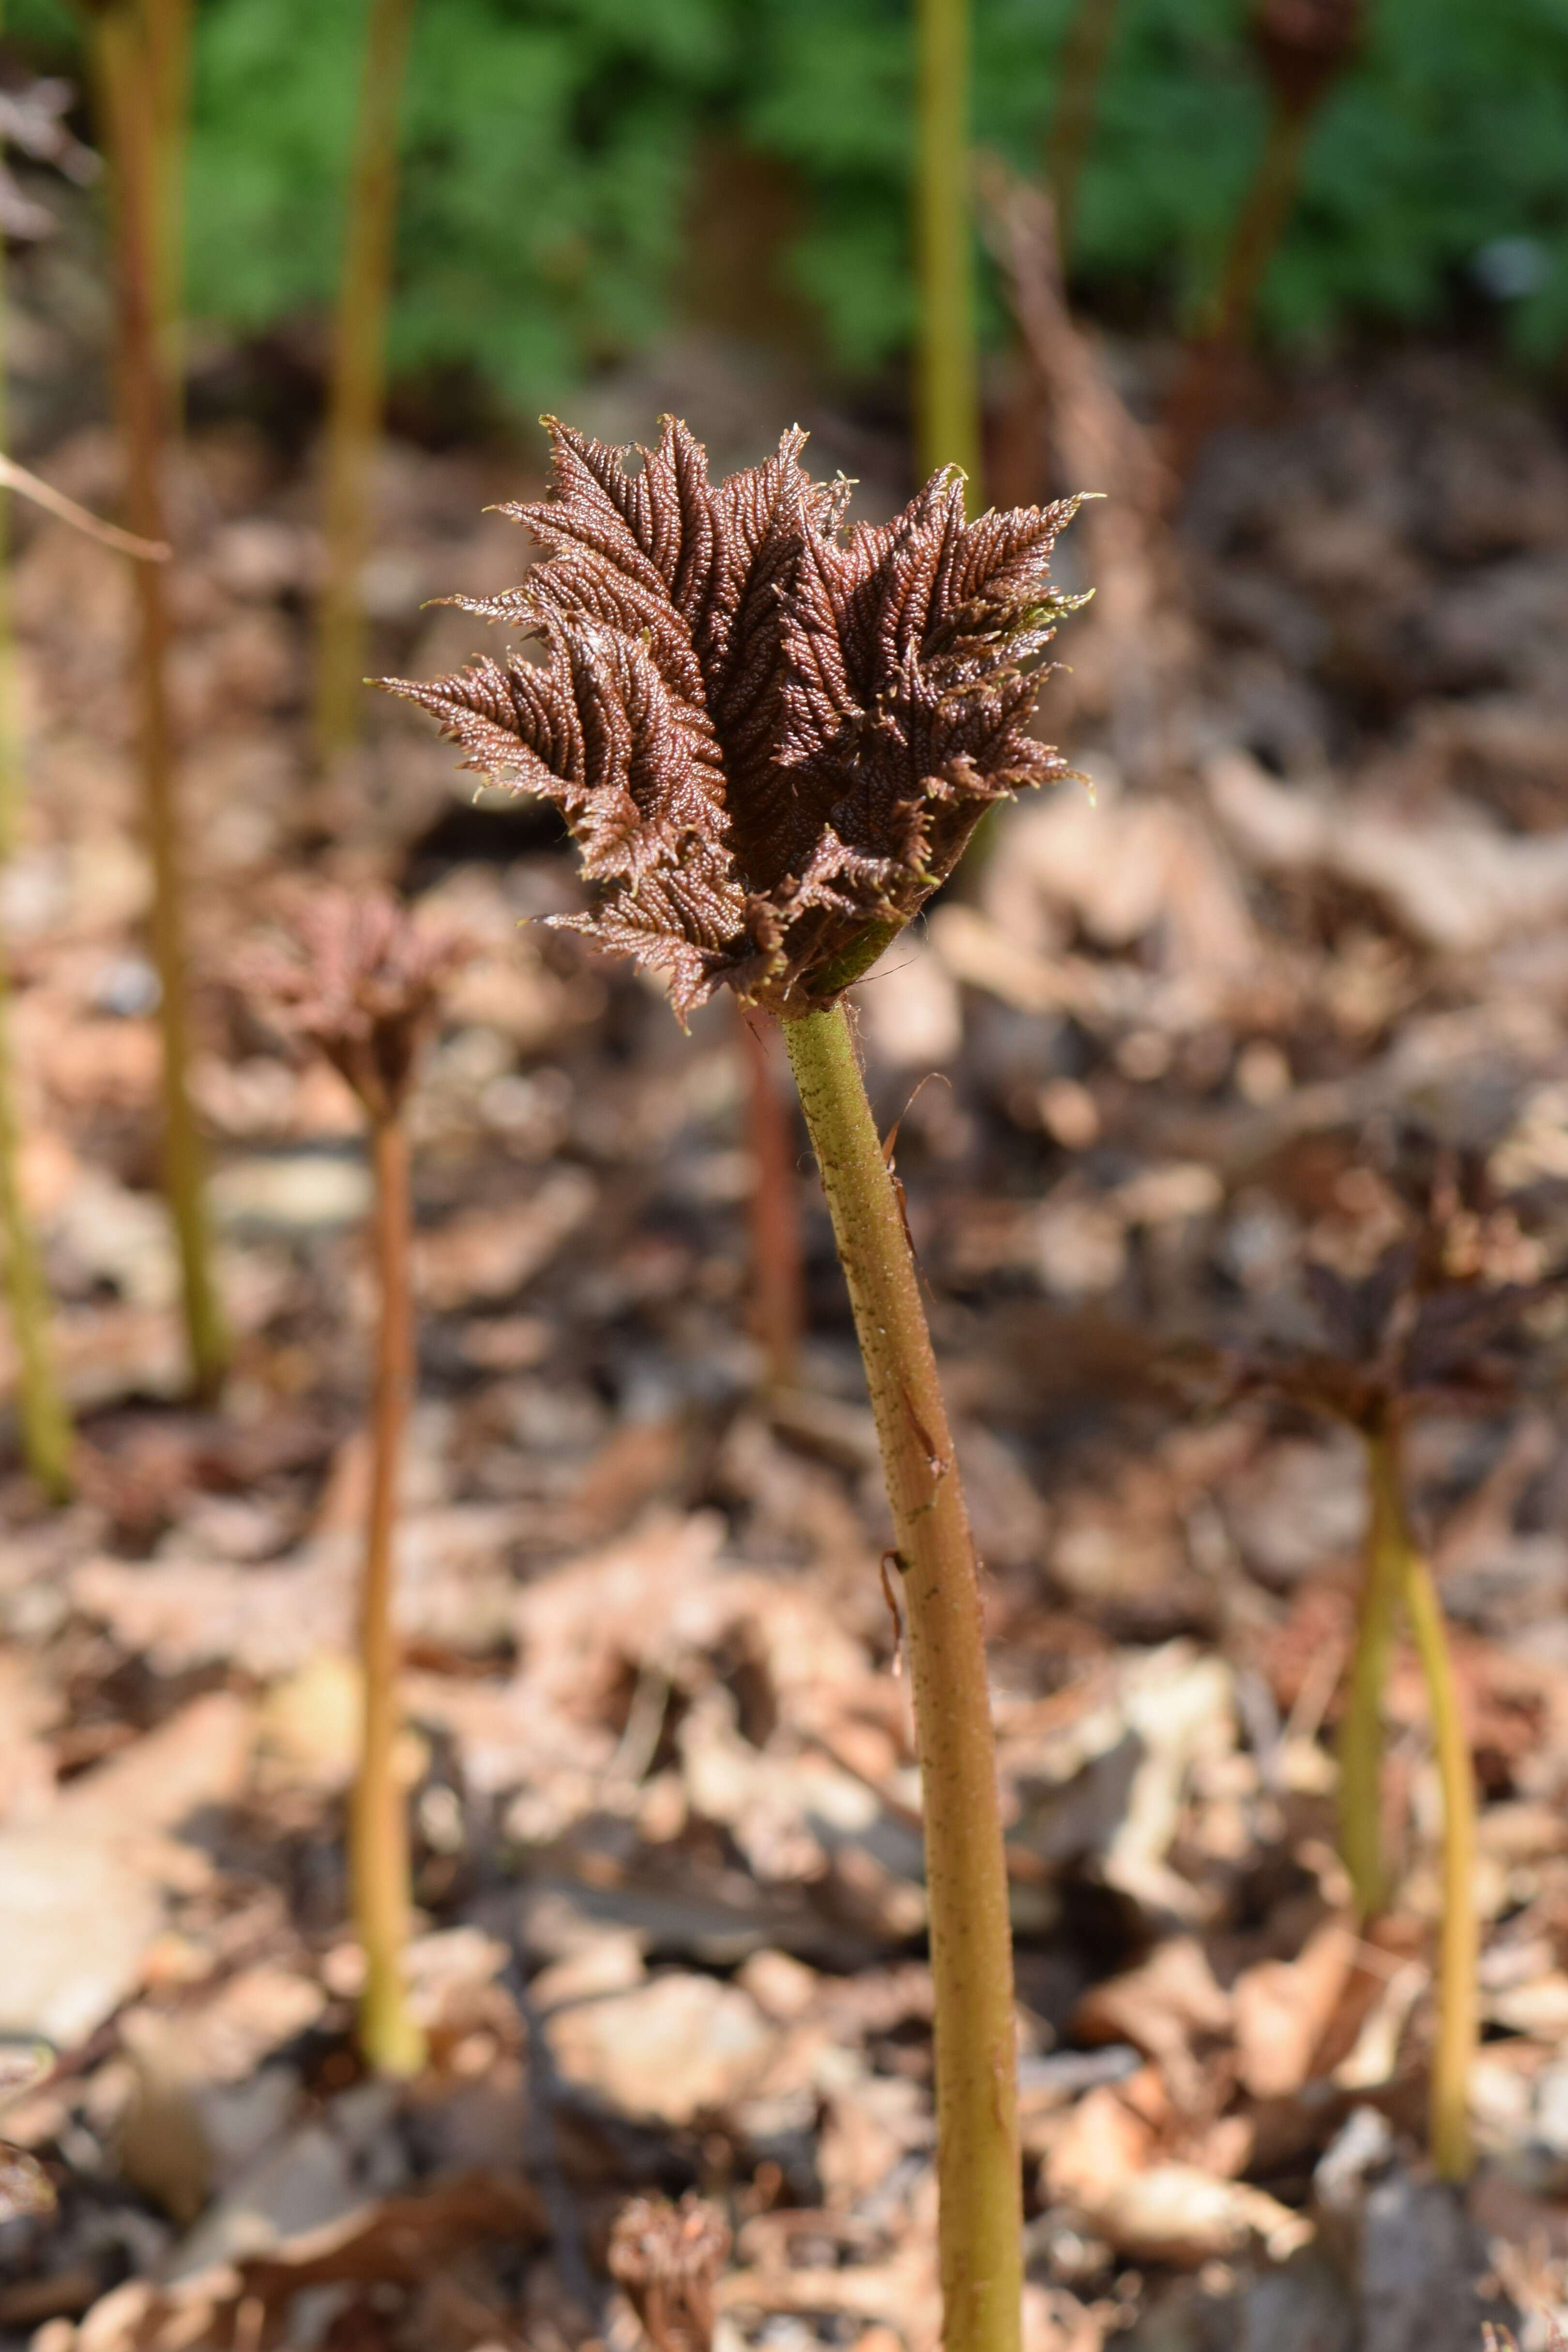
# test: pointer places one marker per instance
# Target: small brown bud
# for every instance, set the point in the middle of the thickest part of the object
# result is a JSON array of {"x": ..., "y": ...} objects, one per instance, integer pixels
[
  {"x": 357, "y": 977},
  {"x": 667, "y": 2258}
]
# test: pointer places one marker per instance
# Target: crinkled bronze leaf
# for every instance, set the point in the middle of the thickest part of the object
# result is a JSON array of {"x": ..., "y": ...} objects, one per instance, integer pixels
[
  {"x": 355, "y": 974},
  {"x": 771, "y": 735}
]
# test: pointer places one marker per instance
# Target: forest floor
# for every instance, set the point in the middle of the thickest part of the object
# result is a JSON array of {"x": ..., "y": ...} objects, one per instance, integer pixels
[{"x": 1192, "y": 1040}]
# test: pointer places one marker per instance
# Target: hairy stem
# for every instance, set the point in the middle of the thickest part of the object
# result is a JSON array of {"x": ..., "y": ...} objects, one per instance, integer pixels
[
  {"x": 129, "y": 95},
  {"x": 41, "y": 1408},
  {"x": 390, "y": 2039},
  {"x": 1084, "y": 52},
  {"x": 947, "y": 383},
  {"x": 971, "y": 1947},
  {"x": 777, "y": 1303},
  {"x": 1361, "y": 1727},
  {"x": 1458, "y": 1949},
  {"x": 359, "y": 372}
]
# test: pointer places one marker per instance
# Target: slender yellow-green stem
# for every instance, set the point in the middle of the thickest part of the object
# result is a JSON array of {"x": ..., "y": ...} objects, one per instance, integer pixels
[
  {"x": 947, "y": 380},
  {"x": 389, "y": 2037},
  {"x": 1361, "y": 1726},
  {"x": 359, "y": 378},
  {"x": 41, "y": 1408},
  {"x": 40, "y": 1403},
  {"x": 980, "y": 2220},
  {"x": 137, "y": 187},
  {"x": 1459, "y": 1942},
  {"x": 1084, "y": 52}
]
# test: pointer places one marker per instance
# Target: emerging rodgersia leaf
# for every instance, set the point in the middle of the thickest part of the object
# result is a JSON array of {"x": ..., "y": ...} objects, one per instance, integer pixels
[{"x": 771, "y": 735}]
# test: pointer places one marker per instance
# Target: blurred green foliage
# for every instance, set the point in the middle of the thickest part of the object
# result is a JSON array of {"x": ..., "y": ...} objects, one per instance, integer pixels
[{"x": 551, "y": 170}]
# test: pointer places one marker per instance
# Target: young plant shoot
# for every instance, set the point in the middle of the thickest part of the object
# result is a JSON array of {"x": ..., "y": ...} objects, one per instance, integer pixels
[
  {"x": 361, "y": 981},
  {"x": 1405, "y": 1333},
  {"x": 134, "y": 76},
  {"x": 358, "y": 384},
  {"x": 772, "y": 738}
]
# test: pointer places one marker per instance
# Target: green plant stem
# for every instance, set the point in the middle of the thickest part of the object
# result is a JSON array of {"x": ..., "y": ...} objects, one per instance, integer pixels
[
  {"x": 1459, "y": 1951},
  {"x": 130, "y": 116},
  {"x": 1361, "y": 1726},
  {"x": 980, "y": 2223},
  {"x": 389, "y": 2037},
  {"x": 947, "y": 401},
  {"x": 46, "y": 1436},
  {"x": 359, "y": 375},
  {"x": 1084, "y": 52},
  {"x": 168, "y": 34},
  {"x": 777, "y": 1286}
]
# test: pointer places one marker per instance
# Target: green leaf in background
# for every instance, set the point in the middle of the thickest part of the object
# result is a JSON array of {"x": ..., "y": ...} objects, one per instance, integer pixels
[{"x": 551, "y": 166}]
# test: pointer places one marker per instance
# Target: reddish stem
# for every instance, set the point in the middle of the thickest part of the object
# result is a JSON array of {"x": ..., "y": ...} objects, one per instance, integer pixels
[
  {"x": 141, "y": 278},
  {"x": 777, "y": 1278}
]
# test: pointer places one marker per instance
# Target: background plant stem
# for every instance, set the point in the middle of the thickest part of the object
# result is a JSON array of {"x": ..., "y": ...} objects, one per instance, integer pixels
[
  {"x": 947, "y": 387},
  {"x": 1084, "y": 52},
  {"x": 774, "y": 1207},
  {"x": 41, "y": 1407},
  {"x": 130, "y": 106},
  {"x": 169, "y": 28},
  {"x": 391, "y": 2040},
  {"x": 1458, "y": 1947},
  {"x": 359, "y": 373},
  {"x": 1361, "y": 1727},
  {"x": 1200, "y": 387},
  {"x": 980, "y": 2220}
]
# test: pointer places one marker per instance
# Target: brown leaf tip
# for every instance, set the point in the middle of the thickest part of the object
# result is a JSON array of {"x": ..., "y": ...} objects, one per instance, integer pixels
[
  {"x": 355, "y": 975},
  {"x": 771, "y": 734},
  {"x": 667, "y": 2258}
]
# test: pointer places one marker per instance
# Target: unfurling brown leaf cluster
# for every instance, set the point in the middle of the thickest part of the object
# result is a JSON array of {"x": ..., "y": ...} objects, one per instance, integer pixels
[
  {"x": 667, "y": 2259},
  {"x": 771, "y": 735},
  {"x": 353, "y": 974}
]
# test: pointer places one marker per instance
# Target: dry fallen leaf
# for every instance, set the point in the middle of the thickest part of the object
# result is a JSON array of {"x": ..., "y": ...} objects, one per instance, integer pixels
[
  {"x": 1178, "y": 2214},
  {"x": 1282, "y": 2010},
  {"x": 400, "y": 2240}
]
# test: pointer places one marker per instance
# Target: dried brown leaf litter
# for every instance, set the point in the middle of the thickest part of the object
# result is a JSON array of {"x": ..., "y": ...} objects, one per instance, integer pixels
[{"x": 659, "y": 1770}]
